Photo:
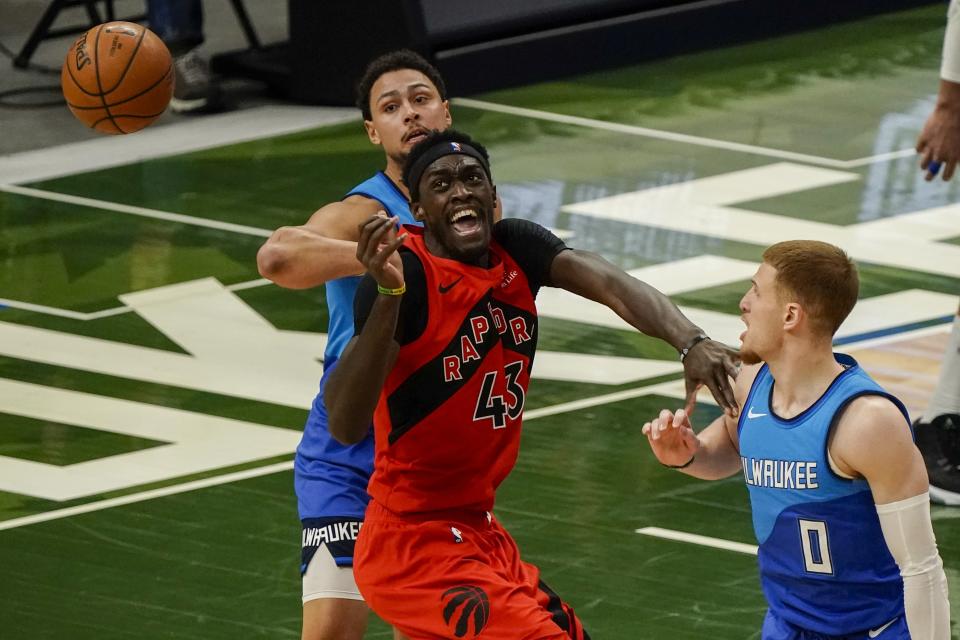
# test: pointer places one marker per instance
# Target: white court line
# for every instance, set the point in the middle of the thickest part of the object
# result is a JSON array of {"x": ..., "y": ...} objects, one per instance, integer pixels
[
  {"x": 667, "y": 388},
  {"x": 137, "y": 211},
  {"x": 881, "y": 157},
  {"x": 672, "y": 136},
  {"x": 114, "y": 311},
  {"x": 57, "y": 514},
  {"x": 703, "y": 541},
  {"x": 275, "y": 468},
  {"x": 168, "y": 140}
]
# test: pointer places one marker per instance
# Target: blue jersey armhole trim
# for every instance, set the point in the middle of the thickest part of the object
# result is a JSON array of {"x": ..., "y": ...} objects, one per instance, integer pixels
[
  {"x": 839, "y": 413},
  {"x": 367, "y": 196},
  {"x": 753, "y": 388}
]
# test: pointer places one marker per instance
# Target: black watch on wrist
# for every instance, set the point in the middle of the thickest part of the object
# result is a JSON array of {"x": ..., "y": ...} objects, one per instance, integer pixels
[{"x": 697, "y": 340}]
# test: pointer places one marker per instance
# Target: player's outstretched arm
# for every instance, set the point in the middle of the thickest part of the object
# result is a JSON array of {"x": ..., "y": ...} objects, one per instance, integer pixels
[
  {"x": 354, "y": 387},
  {"x": 706, "y": 361},
  {"x": 323, "y": 249},
  {"x": 939, "y": 142},
  {"x": 872, "y": 440},
  {"x": 712, "y": 454}
]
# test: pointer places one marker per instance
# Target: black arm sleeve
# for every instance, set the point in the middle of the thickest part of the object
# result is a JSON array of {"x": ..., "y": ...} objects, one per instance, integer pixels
[
  {"x": 532, "y": 246},
  {"x": 413, "y": 308}
]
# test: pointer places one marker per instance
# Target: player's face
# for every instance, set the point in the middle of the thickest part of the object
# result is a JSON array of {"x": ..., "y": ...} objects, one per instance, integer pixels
[
  {"x": 404, "y": 107},
  {"x": 456, "y": 205},
  {"x": 762, "y": 311}
]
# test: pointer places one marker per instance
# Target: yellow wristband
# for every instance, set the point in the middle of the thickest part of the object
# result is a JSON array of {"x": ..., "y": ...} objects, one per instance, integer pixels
[{"x": 399, "y": 291}]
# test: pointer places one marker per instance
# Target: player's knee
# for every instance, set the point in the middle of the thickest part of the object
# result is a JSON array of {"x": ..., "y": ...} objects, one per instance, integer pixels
[{"x": 334, "y": 619}]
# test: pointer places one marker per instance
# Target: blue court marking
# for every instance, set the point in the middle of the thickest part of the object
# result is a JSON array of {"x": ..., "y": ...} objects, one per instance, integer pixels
[{"x": 889, "y": 331}]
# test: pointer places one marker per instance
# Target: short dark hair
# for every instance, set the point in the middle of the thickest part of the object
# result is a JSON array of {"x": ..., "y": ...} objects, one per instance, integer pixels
[
  {"x": 395, "y": 61},
  {"x": 433, "y": 139}
]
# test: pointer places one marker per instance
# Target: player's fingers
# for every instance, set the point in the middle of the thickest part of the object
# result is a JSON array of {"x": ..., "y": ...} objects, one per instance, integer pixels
[
  {"x": 948, "y": 169},
  {"x": 732, "y": 363},
  {"x": 680, "y": 418},
  {"x": 666, "y": 417},
  {"x": 363, "y": 241},
  {"x": 371, "y": 236},
  {"x": 691, "y": 400},
  {"x": 374, "y": 254},
  {"x": 933, "y": 167},
  {"x": 722, "y": 393},
  {"x": 723, "y": 381},
  {"x": 645, "y": 429}
]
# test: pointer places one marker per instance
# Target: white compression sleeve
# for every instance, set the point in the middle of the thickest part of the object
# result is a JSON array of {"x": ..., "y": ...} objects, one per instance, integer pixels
[
  {"x": 909, "y": 534},
  {"x": 950, "y": 66}
]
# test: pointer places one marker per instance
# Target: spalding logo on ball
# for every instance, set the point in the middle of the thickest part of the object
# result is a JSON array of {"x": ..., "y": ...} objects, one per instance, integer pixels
[{"x": 117, "y": 77}]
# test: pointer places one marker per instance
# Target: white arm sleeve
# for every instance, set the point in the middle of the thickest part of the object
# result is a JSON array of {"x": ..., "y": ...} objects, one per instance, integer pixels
[
  {"x": 950, "y": 66},
  {"x": 909, "y": 534}
]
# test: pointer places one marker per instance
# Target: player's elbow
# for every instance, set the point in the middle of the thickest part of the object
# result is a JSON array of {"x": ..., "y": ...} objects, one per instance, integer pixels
[
  {"x": 274, "y": 259},
  {"x": 345, "y": 430}
]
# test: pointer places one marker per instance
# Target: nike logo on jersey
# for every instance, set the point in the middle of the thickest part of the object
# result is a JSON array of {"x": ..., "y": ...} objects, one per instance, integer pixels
[
  {"x": 752, "y": 415},
  {"x": 446, "y": 287},
  {"x": 876, "y": 632}
]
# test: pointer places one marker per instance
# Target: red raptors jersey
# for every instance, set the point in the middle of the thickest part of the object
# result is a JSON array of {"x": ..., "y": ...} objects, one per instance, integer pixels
[{"x": 448, "y": 419}]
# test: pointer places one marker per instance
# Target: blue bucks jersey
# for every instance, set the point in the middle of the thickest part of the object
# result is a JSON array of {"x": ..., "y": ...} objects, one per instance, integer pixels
[
  {"x": 330, "y": 478},
  {"x": 824, "y": 564}
]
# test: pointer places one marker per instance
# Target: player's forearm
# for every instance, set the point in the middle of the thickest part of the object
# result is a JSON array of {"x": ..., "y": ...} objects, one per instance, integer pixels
[
  {"x": 297, "y": 258},
  {"x": 354, "y": 387},
  {"x": 909, "y": 535},
  {"x": 950, "y": 63},
  {"x": 716, "y": 458},
  {"x": 651, "y": 312}
]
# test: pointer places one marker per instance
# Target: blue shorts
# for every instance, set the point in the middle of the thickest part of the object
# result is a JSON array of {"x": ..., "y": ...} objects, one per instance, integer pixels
[
  {"x": 776, "y": 628},
  {"x": 330, "y": 479},
  {"x": 338, "y": 534}
]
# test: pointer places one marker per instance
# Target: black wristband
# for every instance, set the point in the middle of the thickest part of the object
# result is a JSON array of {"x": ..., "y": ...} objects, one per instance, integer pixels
[
  {"x": 686, "y": 350},
  {"x": 681, "y": 466}
]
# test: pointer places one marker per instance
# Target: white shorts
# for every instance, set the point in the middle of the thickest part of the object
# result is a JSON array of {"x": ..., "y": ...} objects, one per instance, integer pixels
[{"x": 325, "y": 579}]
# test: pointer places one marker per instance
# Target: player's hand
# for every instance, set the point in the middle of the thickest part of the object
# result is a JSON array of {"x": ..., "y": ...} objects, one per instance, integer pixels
[
  {"x": 672, "y": 438},
  {"x": 939, "y": 142},
  {"x": 712, "y": 364},
  {"x": 377, "y": 250}
]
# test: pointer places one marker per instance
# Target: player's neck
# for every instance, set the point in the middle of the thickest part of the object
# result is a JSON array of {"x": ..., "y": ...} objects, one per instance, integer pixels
[
  {"x": 394, "y": 171},
  {"x": 802, "y": 373}
]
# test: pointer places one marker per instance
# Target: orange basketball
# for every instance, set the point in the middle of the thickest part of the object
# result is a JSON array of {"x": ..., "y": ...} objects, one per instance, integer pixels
[{"x": 117, "y": 77}]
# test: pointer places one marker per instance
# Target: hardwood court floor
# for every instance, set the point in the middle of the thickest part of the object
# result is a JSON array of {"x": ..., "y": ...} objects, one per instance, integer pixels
[{"x": 152, "y": 387}]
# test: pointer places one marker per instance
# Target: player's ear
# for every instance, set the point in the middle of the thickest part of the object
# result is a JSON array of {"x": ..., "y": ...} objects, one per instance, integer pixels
[
  {"x": 792, "y": 314},
  {"x": 416, "y": 210},
  {"x": 372, "y": 132},
  {"x": 447, "y": 118}
]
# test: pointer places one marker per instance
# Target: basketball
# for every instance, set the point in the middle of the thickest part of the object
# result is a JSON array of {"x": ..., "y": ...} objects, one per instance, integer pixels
[{"x": 117, "y": 77}]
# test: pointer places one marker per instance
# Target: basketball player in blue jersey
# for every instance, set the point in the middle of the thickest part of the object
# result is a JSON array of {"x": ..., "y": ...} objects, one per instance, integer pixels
[
  {"x": 839, "y": 492},
  {"x": 402, "y": 98}
]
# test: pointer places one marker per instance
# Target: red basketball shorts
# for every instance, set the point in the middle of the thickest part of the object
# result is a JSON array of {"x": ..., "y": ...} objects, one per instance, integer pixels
[{"x": 455, "y": 575}]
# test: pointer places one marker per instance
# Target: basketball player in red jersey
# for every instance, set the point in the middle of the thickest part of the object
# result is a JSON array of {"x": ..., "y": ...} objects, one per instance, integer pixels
[{"x": 446, "y": 332}]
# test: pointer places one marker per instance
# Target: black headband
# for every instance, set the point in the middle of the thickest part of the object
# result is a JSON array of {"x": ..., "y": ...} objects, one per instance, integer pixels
[{"x": 440, "y": 149}]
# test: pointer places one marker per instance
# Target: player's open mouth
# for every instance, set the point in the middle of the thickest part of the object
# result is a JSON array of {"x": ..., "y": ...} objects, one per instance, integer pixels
[
  {"x": 466, "y": 222},
  {"x": 415, "y": 136}
]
